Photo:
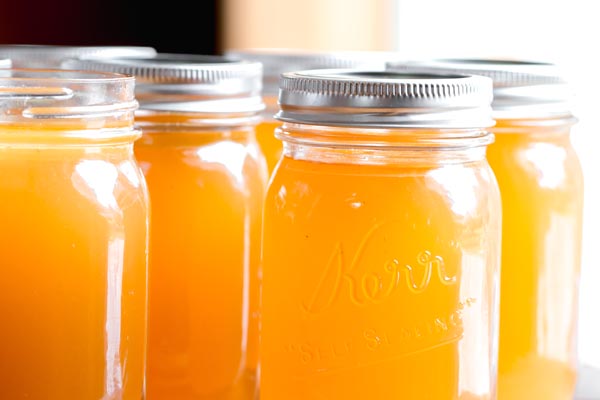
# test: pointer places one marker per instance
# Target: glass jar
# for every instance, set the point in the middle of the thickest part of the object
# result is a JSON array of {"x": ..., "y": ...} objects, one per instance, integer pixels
[
  {"x": 207, "y": 179},
  {"x": 541, "y": 183},
  {"x": 48, "y": 56},
  {"x": 73, "y": 238},
  {"x": 277, "y": 61},
  {"x": 381, "y": 240}
]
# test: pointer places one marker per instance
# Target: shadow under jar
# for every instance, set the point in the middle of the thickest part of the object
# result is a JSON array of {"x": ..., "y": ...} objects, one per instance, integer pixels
[
  {"x": 381, "y": 240},
  {"x": 73, "y": 238},
  {"x": 541, "y": 183},
  {"x": 207, "y": 179}
]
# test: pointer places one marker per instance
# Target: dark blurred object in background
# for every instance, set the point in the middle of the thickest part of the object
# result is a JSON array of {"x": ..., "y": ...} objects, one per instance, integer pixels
[{"x": 175, "y": 27}]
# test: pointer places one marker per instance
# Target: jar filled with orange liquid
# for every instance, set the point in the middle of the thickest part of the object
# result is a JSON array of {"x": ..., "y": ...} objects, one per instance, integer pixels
[
  {"x": 73, "y": 238},
  {"x": 381, "y": 240},
  {"x": 207, "y": 179},
  {"x": 49, "y": 56},
  {"x": 542, "y": 194},
  {"x": 278, "y": 61}
]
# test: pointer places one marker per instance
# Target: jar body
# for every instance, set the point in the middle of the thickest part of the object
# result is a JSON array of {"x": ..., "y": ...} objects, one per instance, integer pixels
[
  {"x": 380, "y": 278},
  {"x": 73, "y": 235},
  {"x": 541, "y": 183},
  {"x": 207, "y": 188}
]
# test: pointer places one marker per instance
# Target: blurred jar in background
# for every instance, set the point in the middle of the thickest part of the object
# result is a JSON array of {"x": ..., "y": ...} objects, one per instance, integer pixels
[
  {"x": 277, "y": 61},
  {"x": 541, "y": 184},
  {"x": 207, "y": 178},
  {"x": 73, "y": 238},
  {"x": 48, "y": 56},
  {"x": 381, "y": 244}
]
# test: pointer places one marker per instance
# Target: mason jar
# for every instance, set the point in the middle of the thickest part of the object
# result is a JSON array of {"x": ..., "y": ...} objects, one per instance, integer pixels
[
  {"x": 207, "y": 178},
  {"x": 381, "y": 241},
  {"x": 73, "y": 238},
  {"x": 541, "y": 184}
]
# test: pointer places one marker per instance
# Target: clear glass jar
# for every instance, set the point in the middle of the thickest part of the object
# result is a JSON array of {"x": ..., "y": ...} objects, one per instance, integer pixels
[
  {"x": 542, "y": 195},
  {"x": 49, "y": 56},
  {"x": 381, "y": 240},
  {"x": 278, "y": 61},
  {"x": 207, "y": 179},
  {"x": 74, "y": 218},
  {"x": 541, "y": 184}
]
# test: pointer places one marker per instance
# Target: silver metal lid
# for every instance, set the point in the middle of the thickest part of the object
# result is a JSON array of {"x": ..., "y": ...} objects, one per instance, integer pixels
[
  {"x": 522, "y": 89},
  {"x": 278, "y": 61},
  {"x": 382, "y": 99},
  {"x": 187, "y": 83},
  {"x": 44, "y": 56}
]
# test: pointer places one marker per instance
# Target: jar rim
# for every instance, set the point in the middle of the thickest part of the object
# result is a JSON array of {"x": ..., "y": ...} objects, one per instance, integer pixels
[
  {"x": 29, "y": 95},
  {"x": 57, "y": 75},
  {"x": 45, "y": 56}
]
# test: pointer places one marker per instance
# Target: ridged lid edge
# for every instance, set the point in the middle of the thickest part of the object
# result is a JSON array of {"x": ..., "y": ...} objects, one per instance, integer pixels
[
  {"x": 173, "y": 68},
  {"x": 382, "y": 99}
]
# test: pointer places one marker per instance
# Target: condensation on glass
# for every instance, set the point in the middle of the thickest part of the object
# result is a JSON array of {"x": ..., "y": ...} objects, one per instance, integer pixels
[
  {"x": 73, "y": 238},
  {"x": 541, "y": 183},
  {"x": 381, "y": 240},
  {"x": 207, "y": 179}
]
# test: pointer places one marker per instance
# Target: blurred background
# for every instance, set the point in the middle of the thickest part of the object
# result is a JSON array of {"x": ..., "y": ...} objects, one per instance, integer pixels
[{"x": 561, "y": 31}]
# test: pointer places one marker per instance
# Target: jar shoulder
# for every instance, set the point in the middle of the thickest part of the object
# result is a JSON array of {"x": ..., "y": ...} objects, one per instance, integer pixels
[
  {"x": 90, "y": 182},
  {"x": 536, "y": 165},
  {"x": 457, "y": 190}
]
